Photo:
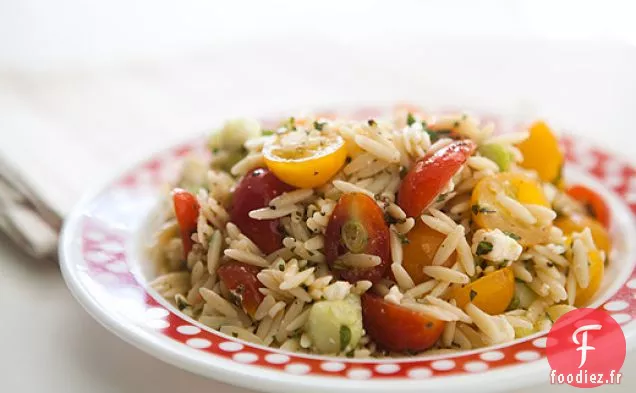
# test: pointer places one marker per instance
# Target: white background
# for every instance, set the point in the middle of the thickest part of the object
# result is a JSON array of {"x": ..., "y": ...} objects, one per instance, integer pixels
[{"x": 47, "y": 342}]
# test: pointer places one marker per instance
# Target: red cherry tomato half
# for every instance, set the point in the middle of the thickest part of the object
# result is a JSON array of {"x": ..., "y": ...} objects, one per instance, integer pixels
[
  {"x": 593, "y": 202},
  {"x": 357, "y": 226},
  {"x": 428, "y": 177},
  {"x": 240, "y": 279},
  {"x": 186, "y": 208},
  {"x": 255, "y": 190},
  {"x": 398, "y": 328}
]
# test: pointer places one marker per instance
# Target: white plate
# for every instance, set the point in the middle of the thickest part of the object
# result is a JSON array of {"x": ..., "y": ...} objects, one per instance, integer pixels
[{"x": 102, "y": 253}]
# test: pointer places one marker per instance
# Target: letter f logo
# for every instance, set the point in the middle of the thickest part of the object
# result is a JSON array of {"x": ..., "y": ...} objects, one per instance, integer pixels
[{"x": 583, "y": 344}]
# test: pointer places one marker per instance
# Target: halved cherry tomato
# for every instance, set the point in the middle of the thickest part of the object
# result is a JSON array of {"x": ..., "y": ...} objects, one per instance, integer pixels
[
  {"x": 305, "y": 161},
  {"x": 492, "y": 293},
  {"x": 255, "y": 190},
  {"x": 597, "y": 271},
  {"x": 240, "y": 279},
  {"x": 186, "y": 209},
  {"x": 422, "y": 245},
  {"x": 398, "y": 328},
  {"x": 578, "y": 223},
  {"x": 357, "y": 226},
  {"x": 541, "y": 152},
  {"x": 428, "y": 177},
  {"x": 594, "y": 203},
  {"x": 489, "y": 214}
]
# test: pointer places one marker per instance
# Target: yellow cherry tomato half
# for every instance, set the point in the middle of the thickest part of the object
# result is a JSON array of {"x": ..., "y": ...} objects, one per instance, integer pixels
[
  {"x": 597, "y": 271},
  {"x": 578, "y": 223},
  {"x": 492, "y": 293},
  {"x": 420, "y": 250},
  {"x": 541, "y": 152},
  {"x": 305, "y": 161},
  {"x": 489, "y": 214}
]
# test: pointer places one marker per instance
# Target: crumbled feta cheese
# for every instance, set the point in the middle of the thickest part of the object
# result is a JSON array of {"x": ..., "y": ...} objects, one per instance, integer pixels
[
  {"x": 495, "y": 246},
  {"x": 394, "y": 296}
]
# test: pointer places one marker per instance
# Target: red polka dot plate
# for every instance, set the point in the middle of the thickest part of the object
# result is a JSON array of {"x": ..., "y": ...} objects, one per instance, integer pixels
[{"x": 102, "y": 254}]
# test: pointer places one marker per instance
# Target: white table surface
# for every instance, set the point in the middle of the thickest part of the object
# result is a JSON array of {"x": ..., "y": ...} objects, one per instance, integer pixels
[{"x": 48, "y": 343}]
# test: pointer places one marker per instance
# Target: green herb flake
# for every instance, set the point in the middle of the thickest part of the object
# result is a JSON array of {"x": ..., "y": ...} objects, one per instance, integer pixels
[
  {"x": 441, "y": 197},
  {"x": 267, "y": 132},
  {"x": 484, "y": 248},
  {"x": 345, "y": 336},
  {"x": 403, "y": 172},
  {"x": 477, "y": 209},
  {"x": 181, "y": 301},
  {"x": 403, "y": 238},
  {"x": 292, "y": 123},
  {"x": 319, "y": 125},
  {"x": 472, "y": 294},
  {"x": 410, "y": 119},
  {"x": 514, "y": 303},
  {"x": 559, "y": 176},
  {"x": 389, "y": 219},
  {"x": 512, "y": 235},
  {"x": 235, "y": 334}
]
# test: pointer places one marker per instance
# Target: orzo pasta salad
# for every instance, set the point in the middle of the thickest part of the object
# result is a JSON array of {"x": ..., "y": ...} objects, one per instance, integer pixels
[{"x": 380, "y": 238}]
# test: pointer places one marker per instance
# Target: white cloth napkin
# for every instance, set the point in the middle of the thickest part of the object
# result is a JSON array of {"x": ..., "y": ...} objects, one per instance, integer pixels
[{"x": 64, "y": 133}]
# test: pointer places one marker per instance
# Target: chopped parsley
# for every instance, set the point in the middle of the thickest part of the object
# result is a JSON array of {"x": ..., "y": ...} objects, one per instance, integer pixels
[
  {"x": 484, "y": 248},
  {"x": 291, "y": 123},
  {"x": 441, "y": 197},
  {"x": 319, "y": 125},
  {"x": 403, "y": 172},
  {"x": 181, "y": 301},
  {"x": 389, "y": 219},
  {"x": 472, "y": 294},
  {"x": 559, "y": 176},
  {"x": 514, "y": 303},
  {"x": 235, "y": 334},
  {"x": 410, "y": 119},
  {"x": 403, "y": 238},
  {"x": 345, "y": 337},
  {"x": 437, "y": 135},
  {"x": 512, "y": 235},
  {"x": 481, "y": 209}
]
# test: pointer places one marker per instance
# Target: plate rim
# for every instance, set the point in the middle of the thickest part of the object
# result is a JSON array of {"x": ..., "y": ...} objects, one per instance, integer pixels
[{"x": 227, "y": 371}]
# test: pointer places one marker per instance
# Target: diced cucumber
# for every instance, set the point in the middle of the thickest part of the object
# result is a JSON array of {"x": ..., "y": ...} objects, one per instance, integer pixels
[
  {"x": 335, "y": 325},
  {"x": 496, "y": 153},
  {"x": 525, "y": 295}
]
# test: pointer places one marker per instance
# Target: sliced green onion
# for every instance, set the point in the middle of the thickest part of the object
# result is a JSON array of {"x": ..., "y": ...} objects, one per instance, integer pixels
[{"x": 354, "y": 236}]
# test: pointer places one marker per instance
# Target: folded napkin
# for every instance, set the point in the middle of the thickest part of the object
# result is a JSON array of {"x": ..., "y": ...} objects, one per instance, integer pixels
[{"x": 63, "y": 133}]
